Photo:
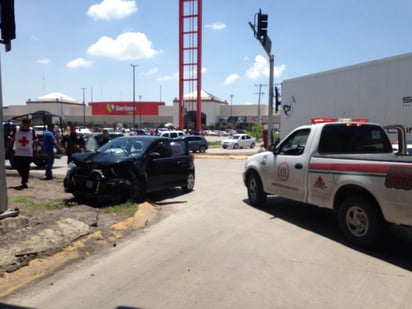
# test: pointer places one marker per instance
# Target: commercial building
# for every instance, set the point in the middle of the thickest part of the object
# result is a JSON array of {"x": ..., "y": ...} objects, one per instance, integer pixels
[{"x": 148, "y": 114}]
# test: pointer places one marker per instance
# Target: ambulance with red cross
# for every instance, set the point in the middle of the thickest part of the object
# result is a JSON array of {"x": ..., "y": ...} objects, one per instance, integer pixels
[{"x": 349, "y": 166}]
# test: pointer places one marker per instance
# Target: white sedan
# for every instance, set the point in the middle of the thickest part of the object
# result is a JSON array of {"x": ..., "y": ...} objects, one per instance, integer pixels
[{"x": 237, "y": 141}]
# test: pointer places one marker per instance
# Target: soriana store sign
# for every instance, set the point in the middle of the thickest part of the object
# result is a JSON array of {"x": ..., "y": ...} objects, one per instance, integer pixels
[{"x": 125, "y": 108}]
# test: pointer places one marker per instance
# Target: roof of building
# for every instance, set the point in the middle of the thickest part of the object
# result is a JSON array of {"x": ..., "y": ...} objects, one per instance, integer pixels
[
  {"x": 204, "y": 95},
  {"x": 55, "y": 96}
]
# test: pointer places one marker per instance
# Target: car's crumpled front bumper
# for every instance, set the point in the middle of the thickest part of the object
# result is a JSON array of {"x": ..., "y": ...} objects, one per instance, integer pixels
[{"x": 94, "y": 183}]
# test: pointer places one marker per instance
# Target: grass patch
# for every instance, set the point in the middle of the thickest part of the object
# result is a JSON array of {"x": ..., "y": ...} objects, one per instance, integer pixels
[
  {"x": 29, "y": 204},
  {"x": 214, "y": 144},
  {"x": 122, "y": 211}
]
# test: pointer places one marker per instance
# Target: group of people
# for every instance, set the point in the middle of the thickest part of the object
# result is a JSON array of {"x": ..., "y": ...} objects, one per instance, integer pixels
[{"x": 26, "y": 147}]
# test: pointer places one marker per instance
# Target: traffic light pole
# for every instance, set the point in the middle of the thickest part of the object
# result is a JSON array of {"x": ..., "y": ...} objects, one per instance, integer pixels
[
  {"x": 270, "y": 140},
  {"x": 261, "y": 35}
]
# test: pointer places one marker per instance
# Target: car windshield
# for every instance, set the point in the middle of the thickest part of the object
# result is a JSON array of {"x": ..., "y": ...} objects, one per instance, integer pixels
[
  {"x": 124, "y": 146},
  {"x": 236, "y": 136}
]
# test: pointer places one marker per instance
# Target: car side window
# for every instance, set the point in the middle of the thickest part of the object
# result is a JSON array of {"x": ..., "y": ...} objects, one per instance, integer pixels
[
  {"x": 177, "y": 148},
  {"x": 163, "y": 148},
  {"x": 294, "y": 144}
]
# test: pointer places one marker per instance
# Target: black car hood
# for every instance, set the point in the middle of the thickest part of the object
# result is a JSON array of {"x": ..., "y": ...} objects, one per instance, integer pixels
[{"x": 98, "y": 159}]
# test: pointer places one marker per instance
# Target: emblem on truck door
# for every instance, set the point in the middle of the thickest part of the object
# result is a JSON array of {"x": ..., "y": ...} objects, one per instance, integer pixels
[
  {"x": 283, "y": 171},
  {"x": 319, "y": 183}
]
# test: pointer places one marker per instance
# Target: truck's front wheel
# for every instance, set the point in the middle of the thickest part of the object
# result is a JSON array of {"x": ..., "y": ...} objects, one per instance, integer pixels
[
  {"x": 256, "y": 195},
  {"x": 360, "y": 221}
]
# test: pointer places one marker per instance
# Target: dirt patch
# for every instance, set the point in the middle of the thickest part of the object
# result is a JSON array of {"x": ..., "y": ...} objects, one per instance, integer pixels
[{"x": 36, "y": 234}]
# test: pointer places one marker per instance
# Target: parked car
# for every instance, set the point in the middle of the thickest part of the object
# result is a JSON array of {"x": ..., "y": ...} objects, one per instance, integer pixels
[
  {"x": 195, "y": 142},
  {"x": 171, "y": 134},
  {"x": 237, "y": 141},
  {"x": 129, "y": 167}
]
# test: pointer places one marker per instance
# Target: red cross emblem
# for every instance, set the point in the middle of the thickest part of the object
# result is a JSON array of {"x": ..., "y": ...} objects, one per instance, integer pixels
[{"x": 23, "y": 141}]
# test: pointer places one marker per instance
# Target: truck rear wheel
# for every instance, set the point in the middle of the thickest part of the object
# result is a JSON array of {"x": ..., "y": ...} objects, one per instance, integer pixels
[
  {"x": 256, "y": 195},
  {"x": 360, "y": 221}
]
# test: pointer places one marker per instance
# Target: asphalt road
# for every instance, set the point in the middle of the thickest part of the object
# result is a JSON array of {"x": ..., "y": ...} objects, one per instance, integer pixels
[{"x": 213, "y": 250}]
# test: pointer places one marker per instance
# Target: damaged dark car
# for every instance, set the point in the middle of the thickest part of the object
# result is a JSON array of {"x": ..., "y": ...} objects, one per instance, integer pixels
[{"x": 126, "y": 168}]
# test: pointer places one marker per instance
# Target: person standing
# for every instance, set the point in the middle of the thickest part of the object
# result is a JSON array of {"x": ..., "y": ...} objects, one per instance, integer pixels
[
  {"x": 73, "y": 143},
  {"x": 105, "y": 137},
  {"x": 49, "y": 143},
  {"x": 25, "y": 144}
]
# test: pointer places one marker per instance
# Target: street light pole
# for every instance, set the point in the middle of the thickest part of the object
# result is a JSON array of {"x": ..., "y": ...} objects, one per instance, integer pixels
[
  {"x": 140, "y": 111},
  {"x": 134, "y": 95},
  {"x": 231, "y": 101},
  {"x": 84, "y": 109}
]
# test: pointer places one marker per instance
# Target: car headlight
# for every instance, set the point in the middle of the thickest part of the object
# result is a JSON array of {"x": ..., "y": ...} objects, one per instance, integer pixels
[{"x": 71, "y": 165}]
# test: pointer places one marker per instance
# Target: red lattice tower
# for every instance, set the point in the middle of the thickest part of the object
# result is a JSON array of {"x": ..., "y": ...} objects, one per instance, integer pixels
[{"x": 190, "y": 59}]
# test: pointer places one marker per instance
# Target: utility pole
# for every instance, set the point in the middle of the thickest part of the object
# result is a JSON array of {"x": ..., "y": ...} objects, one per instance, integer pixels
[
  {"x": 231, "y": 103},
  {"x": 134, "y": 95},
  {"x": 260, "y": 93},
  {"x": 84, "y": 109},
  {"x": 8, "y": 33},
  {"x": 140, "y": 111}
]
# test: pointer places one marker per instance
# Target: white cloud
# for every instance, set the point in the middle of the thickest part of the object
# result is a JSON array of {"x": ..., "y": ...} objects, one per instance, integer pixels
[
  {"x": 231, "y": 79},
  {"x": 260, "y": 68},
  {"x": 43, "y": 61},
  {"x": 112, "y": 9},
  {"x": 79, "y": 63},
  {"x": 216, "y": 26},
  {"x": 152, "y": 72},
  {"x": 278, "y": 70},
  {"x": 166, "y": 78},
  {"x": 127, "y": 46}
]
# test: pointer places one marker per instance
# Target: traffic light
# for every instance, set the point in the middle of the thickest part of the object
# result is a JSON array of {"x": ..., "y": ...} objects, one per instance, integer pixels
[
  {"x": 7, "y": 23},
  {"x": 277, "y": 99},
  {"x": 262, "y": 27}
]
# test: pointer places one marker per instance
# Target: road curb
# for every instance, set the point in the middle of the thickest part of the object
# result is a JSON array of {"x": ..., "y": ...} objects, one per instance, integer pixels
[{"x": 77, "y": 250}]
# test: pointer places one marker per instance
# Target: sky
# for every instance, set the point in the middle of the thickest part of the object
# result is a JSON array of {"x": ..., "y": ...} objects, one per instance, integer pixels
[{"x": 87, "y": 47}]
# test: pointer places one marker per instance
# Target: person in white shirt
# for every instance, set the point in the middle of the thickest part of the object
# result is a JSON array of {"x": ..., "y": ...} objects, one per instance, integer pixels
[{"x": 24, "y": 142}]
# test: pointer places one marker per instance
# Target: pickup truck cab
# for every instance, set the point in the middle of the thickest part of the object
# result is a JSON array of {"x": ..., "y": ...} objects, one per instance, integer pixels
[{"x": 349, "y": 167}]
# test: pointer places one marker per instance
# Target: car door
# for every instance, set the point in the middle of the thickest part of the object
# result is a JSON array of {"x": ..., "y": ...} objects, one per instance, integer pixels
[
  {"x": 289, "y": 169},
  {"x": 166, "y": 168},
  {"x": 158, "y": 168}
]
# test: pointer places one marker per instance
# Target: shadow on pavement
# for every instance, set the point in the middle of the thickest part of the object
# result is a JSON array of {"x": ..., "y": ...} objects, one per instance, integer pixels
[{"x": 395, "y": 247}]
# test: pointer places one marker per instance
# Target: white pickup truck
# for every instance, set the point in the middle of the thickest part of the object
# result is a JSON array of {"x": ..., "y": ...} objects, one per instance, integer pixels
[{"x": 349, "y": 167}]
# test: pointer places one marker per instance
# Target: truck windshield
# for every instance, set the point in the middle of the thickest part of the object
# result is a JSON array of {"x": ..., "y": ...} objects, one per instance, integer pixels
[{"x": 356, "y": 138}]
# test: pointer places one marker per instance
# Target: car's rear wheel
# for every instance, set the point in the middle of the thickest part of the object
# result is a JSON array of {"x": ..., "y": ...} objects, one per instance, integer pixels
[
  {"x": 256, "y": 195},
  {"x": 252, "y": 145},
  {"x": 202, "y": 149},
  {"x": 190, "y": 183},
  {"x": 360, "y": 221}
]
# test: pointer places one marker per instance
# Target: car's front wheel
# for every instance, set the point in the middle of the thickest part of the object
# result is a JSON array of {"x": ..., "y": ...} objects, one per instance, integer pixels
[
  {"x": 256, "y": 195},
  {"x": 202, "y": 149},
  {"x": 137, "y": 190},
  {"x": 236, "y": 146},
  {"x": 190, "y": 183}
]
